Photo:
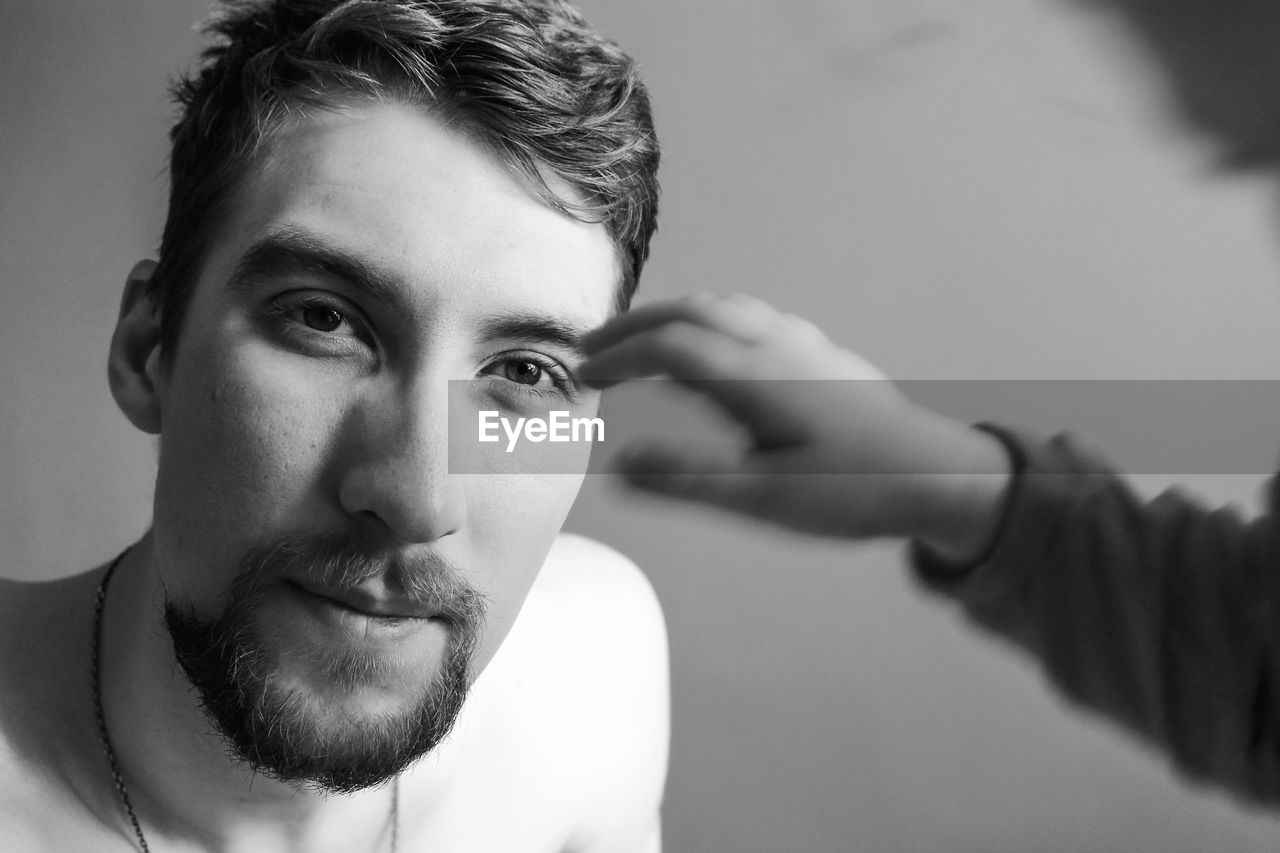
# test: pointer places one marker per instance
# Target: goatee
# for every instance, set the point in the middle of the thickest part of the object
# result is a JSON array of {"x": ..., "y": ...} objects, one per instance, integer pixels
[{"x": 297, "y": 737}]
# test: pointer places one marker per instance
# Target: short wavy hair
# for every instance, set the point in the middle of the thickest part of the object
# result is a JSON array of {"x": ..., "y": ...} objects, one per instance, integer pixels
[{"x": 528, "y": 79}]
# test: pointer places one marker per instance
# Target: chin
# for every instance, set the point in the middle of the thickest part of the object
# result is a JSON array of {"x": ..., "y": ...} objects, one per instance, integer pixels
[
  {"x": 314, "y": 676},
  {"x": 337, "y": 718}
]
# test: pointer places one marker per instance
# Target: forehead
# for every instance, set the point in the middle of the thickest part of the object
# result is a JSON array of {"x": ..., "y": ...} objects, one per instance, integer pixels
[{"x": 426, "y": 205}]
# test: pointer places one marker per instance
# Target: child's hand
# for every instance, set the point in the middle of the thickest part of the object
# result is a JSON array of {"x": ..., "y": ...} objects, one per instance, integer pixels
[{"x": 846, "y": 458}]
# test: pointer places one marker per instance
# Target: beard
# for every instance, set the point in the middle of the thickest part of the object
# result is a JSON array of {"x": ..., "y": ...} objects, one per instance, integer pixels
[{"x": 292, "y": 735}]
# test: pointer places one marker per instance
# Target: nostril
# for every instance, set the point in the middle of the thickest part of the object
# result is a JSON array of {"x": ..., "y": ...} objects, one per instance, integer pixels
[
  {"x": 371, "y": 517},
  {"x": 397, "y": 497}
]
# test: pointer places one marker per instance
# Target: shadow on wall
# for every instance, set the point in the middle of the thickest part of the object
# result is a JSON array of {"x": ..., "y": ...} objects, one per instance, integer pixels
[
  {"x": 1223, "y": 59},
  {"x": 1220, "y": 59}
]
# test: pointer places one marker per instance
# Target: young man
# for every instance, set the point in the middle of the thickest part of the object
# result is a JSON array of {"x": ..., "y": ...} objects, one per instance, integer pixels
[{"x": 369, "y": 199}]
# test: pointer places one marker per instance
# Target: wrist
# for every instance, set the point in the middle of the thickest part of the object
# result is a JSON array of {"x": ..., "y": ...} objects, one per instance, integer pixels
[{"x": 955, "y": 505}]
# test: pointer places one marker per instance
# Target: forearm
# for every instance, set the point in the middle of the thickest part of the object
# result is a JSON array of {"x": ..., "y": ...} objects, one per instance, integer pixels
[{"x": 1153, "y": 613}]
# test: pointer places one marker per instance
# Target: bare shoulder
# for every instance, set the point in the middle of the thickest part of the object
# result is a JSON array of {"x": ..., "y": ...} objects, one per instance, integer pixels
[
  {"x": 581, "y": 572},
  {"x": 41, "y": 624},
  {"x": 33, "y": 675},
  {"x": 591, "y": 646},
  {"x": 24, "y": 645},
  {"x": 45, "y": 636},
  {"x": 601, "y": 612},
  {"x": 598, "y": 615}
]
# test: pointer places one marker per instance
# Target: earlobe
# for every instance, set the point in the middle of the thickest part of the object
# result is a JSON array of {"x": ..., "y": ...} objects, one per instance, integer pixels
[{"x": 133, "y": 364}]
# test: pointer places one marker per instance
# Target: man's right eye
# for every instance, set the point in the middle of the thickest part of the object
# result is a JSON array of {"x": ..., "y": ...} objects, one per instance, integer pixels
[{"x": 320, "y": 323}]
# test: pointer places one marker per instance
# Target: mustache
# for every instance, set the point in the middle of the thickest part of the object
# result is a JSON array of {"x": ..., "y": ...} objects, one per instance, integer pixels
[{"x": 343, "y": 561}]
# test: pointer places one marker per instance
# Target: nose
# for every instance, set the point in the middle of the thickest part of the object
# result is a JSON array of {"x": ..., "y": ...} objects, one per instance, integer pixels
[{"x": 395, "y": 476}]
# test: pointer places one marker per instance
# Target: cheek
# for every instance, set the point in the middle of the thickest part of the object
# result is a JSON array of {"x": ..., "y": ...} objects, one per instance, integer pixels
[{"x": 241, "y": 454}]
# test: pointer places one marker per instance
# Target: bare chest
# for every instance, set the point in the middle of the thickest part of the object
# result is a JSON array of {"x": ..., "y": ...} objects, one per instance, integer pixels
[{"x": 514, "y": 786}]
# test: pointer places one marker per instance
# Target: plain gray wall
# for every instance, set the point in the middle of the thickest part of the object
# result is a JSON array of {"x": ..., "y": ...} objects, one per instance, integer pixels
[{"x": 955, "y": 188}]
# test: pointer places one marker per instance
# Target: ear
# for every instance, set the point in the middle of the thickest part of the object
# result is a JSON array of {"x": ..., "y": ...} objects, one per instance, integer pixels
[{"x": 133, "y": 364}]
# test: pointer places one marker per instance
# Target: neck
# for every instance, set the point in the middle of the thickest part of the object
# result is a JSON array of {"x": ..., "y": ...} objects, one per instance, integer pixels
[{"x": 180, "y": 779}]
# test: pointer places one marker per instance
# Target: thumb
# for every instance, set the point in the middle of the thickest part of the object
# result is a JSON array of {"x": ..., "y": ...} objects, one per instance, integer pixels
[{"x": 695, "y": 474}]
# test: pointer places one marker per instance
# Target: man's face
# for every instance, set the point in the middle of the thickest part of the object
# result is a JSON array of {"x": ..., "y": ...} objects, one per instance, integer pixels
[{"x": 374, "y": 256}]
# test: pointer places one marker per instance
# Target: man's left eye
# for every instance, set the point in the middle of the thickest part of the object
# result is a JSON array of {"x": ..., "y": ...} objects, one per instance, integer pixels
[
  {"x": 322, "y": 318},
  {"x": 534, "y": 374},
  {"x": 522, "y": 371}
]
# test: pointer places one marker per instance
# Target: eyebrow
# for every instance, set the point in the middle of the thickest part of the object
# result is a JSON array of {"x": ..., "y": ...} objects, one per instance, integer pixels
[
  {"x": 290, "y": 252},
  {"x": 535, "y": 328}
]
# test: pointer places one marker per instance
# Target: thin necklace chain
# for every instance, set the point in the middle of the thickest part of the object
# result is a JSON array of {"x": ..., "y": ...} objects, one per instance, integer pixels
[{"x": 105, "y": 738}]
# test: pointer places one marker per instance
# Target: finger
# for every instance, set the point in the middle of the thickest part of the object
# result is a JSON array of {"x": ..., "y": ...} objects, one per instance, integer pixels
[
  {"x": 719, "y": 368},
  {"x": 698, "y": 476},
  {"x": 746, "y": 318},
  {"x": 640, "y": 319},
  {"x": 742, "y": 317},
  {"x": 800, "y": 327},
  {"x": 679, "y": 349}
]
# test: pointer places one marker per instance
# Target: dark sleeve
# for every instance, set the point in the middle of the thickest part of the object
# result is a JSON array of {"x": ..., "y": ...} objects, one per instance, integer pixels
[{"x": 1162, "y": 615}]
